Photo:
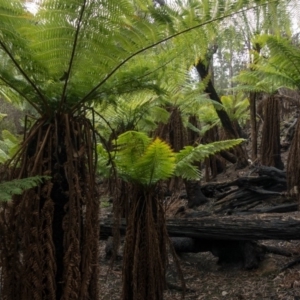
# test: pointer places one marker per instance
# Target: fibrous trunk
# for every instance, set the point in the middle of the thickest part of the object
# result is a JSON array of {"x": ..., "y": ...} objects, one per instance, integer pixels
[
  {"x": 270, "y": 144},
  {"x": 144, "y": 262},
  {"x": 50, "y": 243},
  {"x": 293, "y": 164},
  {"x": 252, "y": 100}
]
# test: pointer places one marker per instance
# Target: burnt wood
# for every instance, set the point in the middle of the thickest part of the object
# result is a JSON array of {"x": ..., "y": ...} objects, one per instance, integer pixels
[
  {"x": 247, "y": 227},
  {"x": 246, "y": 253}
]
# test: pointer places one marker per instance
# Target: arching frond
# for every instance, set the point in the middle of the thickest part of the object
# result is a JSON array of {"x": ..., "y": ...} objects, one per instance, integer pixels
[
  {"x": 73, "y": 52},
  {"x": 279, "y": 69},
  {"x": 190, "y": 155},
  {"x": 145, "y": 162}
]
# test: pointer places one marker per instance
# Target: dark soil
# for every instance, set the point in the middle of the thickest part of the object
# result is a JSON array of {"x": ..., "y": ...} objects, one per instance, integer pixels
[{"x": 205, "y": 279}]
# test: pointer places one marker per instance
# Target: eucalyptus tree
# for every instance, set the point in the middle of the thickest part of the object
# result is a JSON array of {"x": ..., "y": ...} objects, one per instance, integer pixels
[{"x": 61, "y": 61}]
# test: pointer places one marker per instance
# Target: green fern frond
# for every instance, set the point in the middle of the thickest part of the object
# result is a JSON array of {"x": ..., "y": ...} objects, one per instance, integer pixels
[
  {"x": 280, "y": 69},
  {"x": 71, "y": 53},
  {"x": 283, "y": 55},
  {"x": 207, "y": 114},
  {"x": 3, "y": 156},
  {"x": 2, "y": 116},
  {"x": 157, "y": 163},
  {"x": 130, "y": 146},
  {"x": 143, "y": 161},
  {"x": 18, "y": 186},
  {"x": 7, "y": 135},
  {"x": 103, "y": 168},
  {"x": 190, "y": 155},
  {"x": 8, "y": 146},
  {"x": 236, "y": 106},
  {"x": 140, "y": 160}
]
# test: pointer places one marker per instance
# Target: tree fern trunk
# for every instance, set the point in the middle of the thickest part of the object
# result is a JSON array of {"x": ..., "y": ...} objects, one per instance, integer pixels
[
  {"x": 270, "y": 144},
  {"x": 293, "y": 164},
  {"x": 252, "y": 100},
  {"x": 144, "y": 261},
  {"x": 55, "y": 225}
]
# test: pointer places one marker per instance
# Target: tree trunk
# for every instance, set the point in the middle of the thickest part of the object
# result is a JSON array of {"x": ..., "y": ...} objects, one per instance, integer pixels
[
  {"x": 51, "y": 230},
  {"x": 247, "y": 254},
  {"x": 222, "y": 114},
  {"x": 144, "y": 261},
  {"x": 270, "y": 144},
  {"x": 293, "y": 164},
  {"x": 252, "y": 100},
  {"x": 213, "y": 164}
]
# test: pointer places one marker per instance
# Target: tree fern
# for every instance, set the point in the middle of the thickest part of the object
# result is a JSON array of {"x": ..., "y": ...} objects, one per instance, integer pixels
[
  {"x": 63, "y": 60},
  {"x": 141, "y": 160},
  {"x": 280, "y": 68},
  {"x": 236, "y": 106}
]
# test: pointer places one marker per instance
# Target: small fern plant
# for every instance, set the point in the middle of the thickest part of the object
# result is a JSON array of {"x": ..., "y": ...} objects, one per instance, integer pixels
[
  {"x": 18, "y": 186},
  {"x": 142, "y": 160}
]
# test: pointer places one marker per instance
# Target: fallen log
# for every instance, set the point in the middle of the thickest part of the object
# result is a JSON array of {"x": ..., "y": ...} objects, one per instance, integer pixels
[
  {"x": 291, "y": 207},
  {"x": 235, "y": 228},
  {"x": 268, "y": 179}
]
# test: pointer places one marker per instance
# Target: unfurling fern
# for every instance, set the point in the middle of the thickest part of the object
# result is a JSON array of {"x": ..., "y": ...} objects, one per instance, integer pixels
[{"x": 18, "y": 186}]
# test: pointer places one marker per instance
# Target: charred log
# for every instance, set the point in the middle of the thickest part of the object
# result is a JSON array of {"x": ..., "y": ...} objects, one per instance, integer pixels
[
  {"x": 194, "y": 194},
  {"x": 235, "y": 228},
  {"x": 246, "y": 253}
]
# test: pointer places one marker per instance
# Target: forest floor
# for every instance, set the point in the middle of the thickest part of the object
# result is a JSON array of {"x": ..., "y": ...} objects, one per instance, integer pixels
[{"x": 206, "y": 280}]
